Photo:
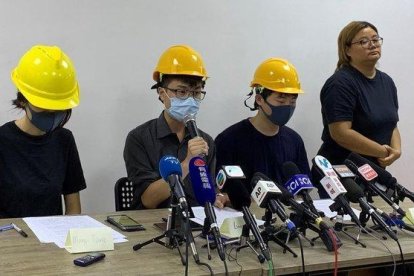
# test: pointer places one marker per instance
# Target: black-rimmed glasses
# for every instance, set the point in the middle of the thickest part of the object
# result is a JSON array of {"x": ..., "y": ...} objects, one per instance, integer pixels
[
  {"x": 183, "y": 94},
  {"x": 366, "y": 43}
]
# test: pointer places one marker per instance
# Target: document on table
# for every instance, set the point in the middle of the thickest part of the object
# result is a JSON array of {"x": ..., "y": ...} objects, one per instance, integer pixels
[
  {"x": 221, "y": 214},
  {"x": 55, "y": 229},
  {"x": 323, "y": 205}
]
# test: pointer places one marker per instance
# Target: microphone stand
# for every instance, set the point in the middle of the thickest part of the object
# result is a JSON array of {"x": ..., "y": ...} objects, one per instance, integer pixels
[
  {"x": 341, "y": 226},
  {"x": 270, "y": 233},
  {"x": 245, "y": 242},
  {"x": 205, "y": 233},
  {"x": 174, "y": 236}
]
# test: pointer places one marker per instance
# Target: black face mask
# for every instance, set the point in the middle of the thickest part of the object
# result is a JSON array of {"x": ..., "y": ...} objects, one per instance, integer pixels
[
  {"x": 47, "y": 121},
  {"x": 280, "y": 114}
]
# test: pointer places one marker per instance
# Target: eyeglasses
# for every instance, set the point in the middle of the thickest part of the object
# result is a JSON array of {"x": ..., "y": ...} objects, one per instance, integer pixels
[
  {"x": 183, "y": 94},
  {"x": 366, "y": 43}
]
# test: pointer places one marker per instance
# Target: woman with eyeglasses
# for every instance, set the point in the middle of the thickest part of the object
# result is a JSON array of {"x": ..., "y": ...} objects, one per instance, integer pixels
[
  {"x": 359, "y": 103},
  {"x": 39, "y": 160}
]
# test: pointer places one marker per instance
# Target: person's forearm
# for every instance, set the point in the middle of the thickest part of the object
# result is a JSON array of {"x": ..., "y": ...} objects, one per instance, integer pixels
[
  {"x": 396, "y": 139},
  {"x": 356, "y": 142},
  {"x": 156, "y": 193},
  {"x": 72, "y": 204}
]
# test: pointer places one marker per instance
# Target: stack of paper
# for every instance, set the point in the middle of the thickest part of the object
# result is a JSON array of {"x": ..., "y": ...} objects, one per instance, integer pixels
[{"x": 55, "y": 229}]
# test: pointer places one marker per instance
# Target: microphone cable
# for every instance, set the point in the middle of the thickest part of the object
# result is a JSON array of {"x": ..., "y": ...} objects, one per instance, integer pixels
[
  {"x": 402, "y": 259},
  {"x": 302, "y": 256},
  {"x": 187, "y": 240},
  {"x": 335, "y": 246},
  {"x": 187, "y": 243},
  {"x": 388, "y": 249},
  {"x": 399, "y": 247}
]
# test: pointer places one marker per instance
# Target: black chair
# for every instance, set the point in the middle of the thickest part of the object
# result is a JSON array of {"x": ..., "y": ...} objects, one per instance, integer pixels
[{"x": 124, "y": 194}]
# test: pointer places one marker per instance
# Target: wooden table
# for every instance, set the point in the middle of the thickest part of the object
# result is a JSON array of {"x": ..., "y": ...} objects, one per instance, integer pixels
[{"x": 19, "y": 255}]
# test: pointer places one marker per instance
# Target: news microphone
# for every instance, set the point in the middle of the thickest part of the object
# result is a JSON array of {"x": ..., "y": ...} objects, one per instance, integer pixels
[
  {"x": 384, "y": 177},
  {"x": 228, "y": 172},
  {"x": 171, "y": 172},
  {"x": 368, "y": 175},
  {"x": 326, "y": 233},
  {"x": 298, "y": 184},
  {"x": 265, "y": 194},
  {"x": 206, "y": 196},
  {"x": 240, "y": 200},
  {"x": 334, "y": 187},
  {"x": 356, "y": 194}
]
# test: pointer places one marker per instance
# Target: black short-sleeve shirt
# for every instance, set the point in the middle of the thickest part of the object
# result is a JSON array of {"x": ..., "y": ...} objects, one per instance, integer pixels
[{"x": 35, "y": 171}]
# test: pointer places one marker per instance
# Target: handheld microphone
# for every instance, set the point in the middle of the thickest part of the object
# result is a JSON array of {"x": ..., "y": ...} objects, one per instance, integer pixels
[
  {"x": 190, "y": 123},
  {"x": 298, "y": 184},
  {"x": 266, "y": 194},
  {"x": 171, "y": 172},
  {"x": 355, "y": 194},
  {"x": 240, "y": 200},
  {"x": 384, "y": 177},
  {"x": 367, "y": 174},
  {"x": 334, "y": 187},
  {"x": 206, "y": 196},
  {"x": 326, "y": 233}
]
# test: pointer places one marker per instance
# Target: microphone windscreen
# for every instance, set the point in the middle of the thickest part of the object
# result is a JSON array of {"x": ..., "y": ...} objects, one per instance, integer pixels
[
  {"x": 257, "y": 177},
  {"x": 201, "y": 181},
  {"x": 384, "y": 177},
  {"x": 238, "y": 194},
  {"x": 169, "y": 165},
  {"x": 289, "y": 170},
  {"x": 354, "y": 191}
]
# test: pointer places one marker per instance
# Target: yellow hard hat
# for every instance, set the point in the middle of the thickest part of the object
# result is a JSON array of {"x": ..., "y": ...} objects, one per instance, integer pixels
[
  {"x": 46, "y": 77},
  {"x": 278, "y": 75},
  {"x": 180, "y": 60}
]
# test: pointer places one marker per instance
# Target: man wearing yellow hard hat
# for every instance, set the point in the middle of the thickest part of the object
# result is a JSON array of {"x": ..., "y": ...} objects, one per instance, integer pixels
[
  {"x": 39, "y": 160},
  {"x": 180, "y": 77},
  {"x": 263, "y": 143}
]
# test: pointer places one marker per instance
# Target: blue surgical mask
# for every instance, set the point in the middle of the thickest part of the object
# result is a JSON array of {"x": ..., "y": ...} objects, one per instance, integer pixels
[
  {"x": 47, "y": 121},
  {"x": 180, "y": 108},
  {"x": 281, "y": 114}
]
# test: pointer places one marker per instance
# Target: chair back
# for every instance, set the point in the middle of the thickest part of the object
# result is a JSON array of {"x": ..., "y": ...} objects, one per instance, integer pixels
[{"x": 124, "y": 194}]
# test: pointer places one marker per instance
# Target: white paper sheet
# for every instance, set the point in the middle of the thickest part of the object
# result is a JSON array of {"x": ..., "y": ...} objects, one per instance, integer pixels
[
  {"x": 55, "y": 229},
  {"x": 221, "y": 214},
  {"x": 323, "y": 205}
]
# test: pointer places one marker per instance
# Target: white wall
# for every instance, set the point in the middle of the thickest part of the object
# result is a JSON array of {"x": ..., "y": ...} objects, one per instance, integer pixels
[{"x": 116, "y": 44}]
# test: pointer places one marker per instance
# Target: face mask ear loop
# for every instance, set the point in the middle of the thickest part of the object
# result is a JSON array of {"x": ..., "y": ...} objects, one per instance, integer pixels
[{"x": 254, "y": 89}]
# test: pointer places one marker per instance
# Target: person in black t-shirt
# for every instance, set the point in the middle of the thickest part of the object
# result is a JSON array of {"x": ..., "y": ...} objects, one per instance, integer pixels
[
  {"x": 39, "y": 161},
  {"x": 263, "y": 143},
  {"x": 359, "y": 103}
]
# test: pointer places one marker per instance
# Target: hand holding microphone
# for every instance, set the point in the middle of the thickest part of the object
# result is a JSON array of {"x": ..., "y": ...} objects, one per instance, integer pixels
[{"x": 197, "y": 146}]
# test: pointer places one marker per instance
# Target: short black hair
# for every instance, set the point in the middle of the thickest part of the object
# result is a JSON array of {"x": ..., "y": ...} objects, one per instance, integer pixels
[
  {"x": 20, "y": 101},
  {"x": 264, "y": 92},
  {"x": 192, "y": 81}
]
